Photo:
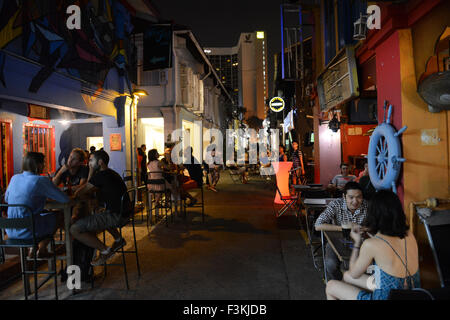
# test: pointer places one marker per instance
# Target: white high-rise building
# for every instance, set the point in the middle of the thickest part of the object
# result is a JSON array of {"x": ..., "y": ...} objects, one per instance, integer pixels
[{"x": 243, "y": 71}]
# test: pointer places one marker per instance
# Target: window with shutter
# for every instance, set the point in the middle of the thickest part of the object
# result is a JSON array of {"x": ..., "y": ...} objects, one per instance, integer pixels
[
  {"x": 184, "y": 84},
  {"x": 201, "y": 99}
]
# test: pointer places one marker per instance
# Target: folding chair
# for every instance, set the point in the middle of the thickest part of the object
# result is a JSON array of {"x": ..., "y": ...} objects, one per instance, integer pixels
[
  {"x": 283, "y": 194},
  {"x": 437, "y": 226},
  {"x": 302, "y": 178},
  {"x": 288, "y": 201},
  {"x": 23, "y": 244}
]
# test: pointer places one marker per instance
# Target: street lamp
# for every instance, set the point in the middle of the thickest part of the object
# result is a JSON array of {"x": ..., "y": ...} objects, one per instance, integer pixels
[{"x": 140, "y": 92}]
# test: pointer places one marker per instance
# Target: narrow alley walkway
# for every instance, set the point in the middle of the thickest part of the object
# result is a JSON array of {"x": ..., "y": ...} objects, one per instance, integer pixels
[{"x": 240, "y": 252}]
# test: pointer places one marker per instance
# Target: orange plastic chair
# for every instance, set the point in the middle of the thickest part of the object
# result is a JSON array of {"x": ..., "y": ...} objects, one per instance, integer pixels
[{"x": 283, "y": 195}]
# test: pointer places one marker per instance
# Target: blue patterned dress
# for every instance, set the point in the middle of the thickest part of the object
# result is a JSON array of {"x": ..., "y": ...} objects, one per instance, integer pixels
[{"x": 385, "y": 282}]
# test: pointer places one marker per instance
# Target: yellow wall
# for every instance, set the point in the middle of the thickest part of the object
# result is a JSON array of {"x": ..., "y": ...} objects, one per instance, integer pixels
[{"x": 426, "y": 171}]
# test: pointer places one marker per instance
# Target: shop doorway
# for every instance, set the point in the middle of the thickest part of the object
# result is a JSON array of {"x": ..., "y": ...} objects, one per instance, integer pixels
[
  {"x": 6, "y": 154},
  {"x": 96, "y": 142},
  {"x": 154, "y": 133}
]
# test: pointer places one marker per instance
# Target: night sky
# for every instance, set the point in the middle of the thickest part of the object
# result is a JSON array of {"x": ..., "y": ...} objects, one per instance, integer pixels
[{"x": 217, "y": 23}]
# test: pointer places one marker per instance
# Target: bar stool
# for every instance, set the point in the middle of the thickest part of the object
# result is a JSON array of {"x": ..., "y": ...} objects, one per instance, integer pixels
[
  {"x": 198, "y": 204},
  {"x": 131, "y": 194},
  {"x": 22, "y": 244},
  {"x": 158, "y": 187}
]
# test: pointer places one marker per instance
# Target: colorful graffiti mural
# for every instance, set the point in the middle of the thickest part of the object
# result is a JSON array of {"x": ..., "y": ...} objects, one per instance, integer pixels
[{"x": 36, "y": 30}]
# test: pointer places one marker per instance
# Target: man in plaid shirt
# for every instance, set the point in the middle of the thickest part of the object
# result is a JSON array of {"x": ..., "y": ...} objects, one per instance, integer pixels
[{"x": 351, "y": 207}]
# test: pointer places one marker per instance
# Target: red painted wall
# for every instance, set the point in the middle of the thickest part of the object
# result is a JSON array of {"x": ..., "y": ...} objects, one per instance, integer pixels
[
  {"x": 389, "y": 85},
  {"x": 353, "y": 145}
]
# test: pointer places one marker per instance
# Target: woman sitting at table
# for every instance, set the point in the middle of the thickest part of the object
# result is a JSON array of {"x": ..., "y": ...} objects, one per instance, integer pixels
[
  {"x": 155, "y": 169},
  {"x": 31, "y": 189},
  {"x": 391, "y": 248}
]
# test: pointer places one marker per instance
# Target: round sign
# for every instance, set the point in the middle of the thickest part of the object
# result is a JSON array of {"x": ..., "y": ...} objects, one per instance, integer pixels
[{"x": 276, "y": 104}]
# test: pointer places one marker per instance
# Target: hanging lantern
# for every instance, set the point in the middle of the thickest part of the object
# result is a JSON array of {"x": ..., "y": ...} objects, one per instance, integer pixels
[{"x": 360, "y": 28}]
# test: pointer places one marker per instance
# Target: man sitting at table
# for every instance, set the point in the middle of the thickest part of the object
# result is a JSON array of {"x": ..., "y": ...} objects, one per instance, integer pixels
[
  {"x": 339, "y": 181},
  {"x": 73, "y": 175},
  {"x": 110, "y": 188},
  {"x": 351, "y": 207}
]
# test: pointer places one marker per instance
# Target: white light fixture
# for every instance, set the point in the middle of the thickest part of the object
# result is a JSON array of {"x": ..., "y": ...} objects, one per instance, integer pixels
[
  {"x": 360, "y": 28},
  {"x": 260, "y": 35},
  {"x": 140, "y": 93}
]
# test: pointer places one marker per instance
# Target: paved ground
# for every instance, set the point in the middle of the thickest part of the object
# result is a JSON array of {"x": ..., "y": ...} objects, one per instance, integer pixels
[{"x": 240, "y": 252}]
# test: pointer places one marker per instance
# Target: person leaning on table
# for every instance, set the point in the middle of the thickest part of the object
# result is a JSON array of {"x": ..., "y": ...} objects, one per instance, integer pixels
[
  {"x": 31, "y": 189},
  {"x": 110, "y": 189},
  {"x": 391, "y": 250},
  {"x": 351, "y": 207}
]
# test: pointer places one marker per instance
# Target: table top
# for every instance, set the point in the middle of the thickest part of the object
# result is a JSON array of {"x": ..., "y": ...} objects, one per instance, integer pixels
[
  {"x": 51, "y": 204},
  {"x": 316, "y": 203},
  {"x": 301, "y": 186},
  {"x": 336, "y": 241},
  {"x": 313, "y": 187}
]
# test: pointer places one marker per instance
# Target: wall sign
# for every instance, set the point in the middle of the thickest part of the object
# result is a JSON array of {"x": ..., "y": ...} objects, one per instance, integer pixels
[
  {"x": 115, "y": 142},
  {"x": 277, "y": 104},
  {"x": 158, "y": 47},
  {"x": 339, "y": 82}
]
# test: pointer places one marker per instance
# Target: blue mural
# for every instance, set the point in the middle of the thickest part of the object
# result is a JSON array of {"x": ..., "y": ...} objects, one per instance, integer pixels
[{"x": 36, "y": 29}]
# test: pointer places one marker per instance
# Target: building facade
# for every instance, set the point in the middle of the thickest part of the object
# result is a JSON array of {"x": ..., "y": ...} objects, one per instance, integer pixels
[
  {"x": 243, "y": 69},
  {"x": 61, "y": 88},
  {"x": 188, "y": 95},
  {"x": 386, "y": 64}
]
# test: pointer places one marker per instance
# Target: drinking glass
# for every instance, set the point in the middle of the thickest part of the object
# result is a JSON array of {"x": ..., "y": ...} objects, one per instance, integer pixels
[{"x": 346, "y": 229}]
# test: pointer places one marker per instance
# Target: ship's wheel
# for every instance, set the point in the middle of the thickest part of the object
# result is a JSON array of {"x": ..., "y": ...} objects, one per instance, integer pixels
[{"x": 385, "y": 154}]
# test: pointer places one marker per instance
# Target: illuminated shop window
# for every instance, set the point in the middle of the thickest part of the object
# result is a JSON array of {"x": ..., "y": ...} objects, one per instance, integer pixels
[
  {"x": 40, "y": 138},
  {"x": 154, "y": 133},
  {"x": 6, "y": 154}
]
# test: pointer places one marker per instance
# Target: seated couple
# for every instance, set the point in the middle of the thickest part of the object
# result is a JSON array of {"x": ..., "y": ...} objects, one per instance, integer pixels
[
  {"x": 390, "y": 250},
  {"x": 156, "y": 172}
]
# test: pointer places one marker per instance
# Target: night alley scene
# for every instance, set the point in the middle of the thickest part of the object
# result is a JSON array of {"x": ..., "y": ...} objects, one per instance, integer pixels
[{"x": 221, "y": 158}]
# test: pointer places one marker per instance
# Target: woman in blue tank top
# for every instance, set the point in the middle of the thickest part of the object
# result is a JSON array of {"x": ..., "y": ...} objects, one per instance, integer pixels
[{"x": 390, "y": 252}]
